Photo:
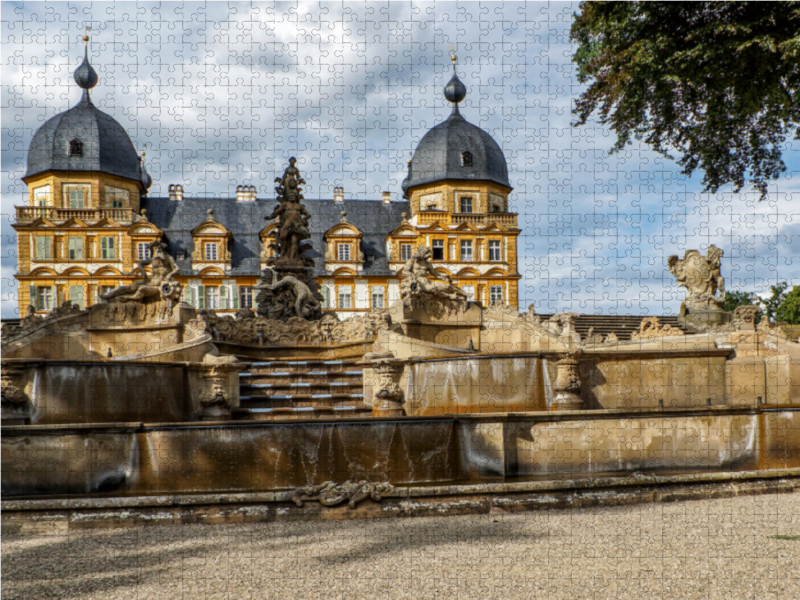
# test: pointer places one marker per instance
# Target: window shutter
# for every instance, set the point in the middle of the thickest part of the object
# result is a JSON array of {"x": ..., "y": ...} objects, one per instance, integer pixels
[
  {"x": 56, "y": 299},
  {"x": 223, "y": 297},
  {"x": 201, "y": 297},
  {"x": 34, "y": 299},
  {"x": 235, "y": 296}
]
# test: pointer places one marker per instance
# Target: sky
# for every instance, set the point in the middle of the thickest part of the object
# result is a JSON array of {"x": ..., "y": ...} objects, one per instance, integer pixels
[{"x": 222, "y": 94}]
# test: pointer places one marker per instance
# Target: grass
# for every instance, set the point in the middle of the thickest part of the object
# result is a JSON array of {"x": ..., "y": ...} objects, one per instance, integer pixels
[{"x": 791, "y": 538}]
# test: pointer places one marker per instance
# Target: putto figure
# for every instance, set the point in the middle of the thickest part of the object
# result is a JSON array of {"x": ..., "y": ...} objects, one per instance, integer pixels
[
  {"x": 162, "y": 285},
  {"x": 701, "y": 277}
]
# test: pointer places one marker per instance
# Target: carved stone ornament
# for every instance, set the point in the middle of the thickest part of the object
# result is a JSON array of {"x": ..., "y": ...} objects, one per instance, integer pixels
[
  {"x": 651, "y": 328},
  {"x": 744, "y": 317},
  {"x": 292, "y": 229},
  {"x": 563, "y": 324},
  {"x": 273, "y": 301},
  {"x": 15, "y": 402},
  {"x": 568, "y": 383},
  {"x": 332, "y": 494},
  {"x": 416, "y": 289},
  {"x": 701, "y": 277},
  {"x": 251, "y": 330},
  {"x": 388, "y": 395}
]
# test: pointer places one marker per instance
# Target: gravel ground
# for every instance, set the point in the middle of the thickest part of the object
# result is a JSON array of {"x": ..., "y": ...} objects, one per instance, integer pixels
[{"x": 700, "y": 549}]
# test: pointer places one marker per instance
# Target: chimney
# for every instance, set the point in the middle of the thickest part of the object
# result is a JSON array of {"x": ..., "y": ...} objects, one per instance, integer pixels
[
  {"x": 338, "y": 194},
  {"x": 245, "y": 193},
  {"x": 176, "y": 192},
  {"x": 387, "y": 197}
]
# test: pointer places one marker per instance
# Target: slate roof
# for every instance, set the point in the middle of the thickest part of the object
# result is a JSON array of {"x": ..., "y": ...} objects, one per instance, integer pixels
[
  {"x": 246, "y": 219},
  {"x": 106, "y": 145},
  {"x": 438, "y": 155}
]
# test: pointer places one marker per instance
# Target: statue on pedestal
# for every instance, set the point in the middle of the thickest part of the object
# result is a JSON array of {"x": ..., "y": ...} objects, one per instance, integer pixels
[
  {"x": 288, "y": 288},
  {"x": 701, "y": 277}
]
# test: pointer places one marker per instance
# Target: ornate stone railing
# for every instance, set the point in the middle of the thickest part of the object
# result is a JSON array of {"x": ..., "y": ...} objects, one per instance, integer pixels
[
  {"x": 484, "y": 218},
  {"x": 31, "y": 213}
]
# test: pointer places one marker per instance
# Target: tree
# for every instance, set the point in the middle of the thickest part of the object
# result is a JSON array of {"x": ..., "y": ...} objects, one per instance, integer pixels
[
  {"x": 717, "y": 82},
  {"x": 789, "y": 310},
  {"x": 738, "y": 298},
  {"x": 773, "y": 303}
]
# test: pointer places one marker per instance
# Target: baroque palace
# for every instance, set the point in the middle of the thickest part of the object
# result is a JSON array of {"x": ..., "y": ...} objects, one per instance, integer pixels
[{"x": 89, "y": 221}]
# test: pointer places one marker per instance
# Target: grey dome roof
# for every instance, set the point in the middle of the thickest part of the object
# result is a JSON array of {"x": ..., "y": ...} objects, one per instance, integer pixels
[
  {"x": 103, "y": 145},
  {"x": 106, "y": 146},
  {"x": 439, "y": 155}
]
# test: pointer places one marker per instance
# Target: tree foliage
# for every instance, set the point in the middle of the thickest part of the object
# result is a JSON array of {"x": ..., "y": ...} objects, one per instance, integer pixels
[
  {"x": 772, "y": 304},
  {"x": 789, "y": 309},
  {"x": 716, "y": 82},
  {"x": 739, "y": 298}
]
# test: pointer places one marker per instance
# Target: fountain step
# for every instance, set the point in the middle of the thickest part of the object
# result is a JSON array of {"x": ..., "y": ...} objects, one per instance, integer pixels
[
  {"x": 266, "y": 414},
  {"x": 291, "y": 388}
]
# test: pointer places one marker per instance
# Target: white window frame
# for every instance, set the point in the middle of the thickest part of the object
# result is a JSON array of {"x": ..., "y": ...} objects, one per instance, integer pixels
[
  {"x": 469, "y": 290},
  {"x": 43, "y": 247},
  {"x": 45, "y": 297},
  {"x": 462, "y": 203},
  {"x": 211, "y": 252},
  {"x": 495, "y": 294},
  {"x": 245, "y": 296},
  {"x": 108, "y": 248},
  {"x": 495, "y": 251},
  {"x": 406, "y": 251},
  {"x": 378, "y": 297},
  {"x": 70, "y": 188},
  {"x": 437, "y": 244},
  {"x": 345, "y": 299},
  {"x": 142, "y": 250},
  {"x": 466, "y": 256},
  {"x": 343, "y": 252},
  {"x": 212, "y": 298}
]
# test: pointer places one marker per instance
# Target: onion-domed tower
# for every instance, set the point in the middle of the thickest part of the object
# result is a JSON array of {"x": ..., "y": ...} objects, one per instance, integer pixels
[
  {"x": 81, "y": 232},
  {"x": 457, "y": 187}
]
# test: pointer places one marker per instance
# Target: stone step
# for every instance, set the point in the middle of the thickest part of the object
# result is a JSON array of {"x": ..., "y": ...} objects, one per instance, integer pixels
[
  {"x": 265, "y": 414},
  {"x": 289, "y": 366},
  {"x": 313, "y": 377},
  {"x": 281, "y": 401}
]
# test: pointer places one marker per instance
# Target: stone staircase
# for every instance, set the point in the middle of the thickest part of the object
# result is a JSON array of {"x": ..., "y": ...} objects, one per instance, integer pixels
[
  {"x": 621, "y": 325},
  {"x": 303, "y": 389}
]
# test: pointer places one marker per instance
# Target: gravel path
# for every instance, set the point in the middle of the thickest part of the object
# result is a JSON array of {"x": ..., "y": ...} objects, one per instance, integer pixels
[{"x": 705, "y": 549}]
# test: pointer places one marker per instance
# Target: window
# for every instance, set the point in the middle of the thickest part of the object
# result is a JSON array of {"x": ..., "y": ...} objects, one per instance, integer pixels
[
  {"x": 42, "y": 297},
  {"x": 212, "y": 298},
  {"x": 246, "y": 297},
  {"x": 44, "y": 248},
  {"x": 102, "y": 291},
  {"x": 76, "y": 296},
  {"x": 494, "y": 250},
  {"x": 75, "y": 247},
  {"x": 466, "y": 204},
  {"x": 438, "y": 249},
  {"x": 325, "y": 292},
  {"x": 495, "y": 294},
  {"x": 469, "y": 290},
  {"x": 378, "y": 298},
  {"x": 107, "y": 249},
  {"x": 466, "y": 250},
  {"x": 211, "y": 251},
  {"x": 343, "y": 251},
  {"x": 41, "y": 196},
  {"x": 76, "y": 197},
  {"x": 142, "y": 250},
  {"x": 345, "y": 297},
  {"x": 117, "y": 197},
  {"x": 405, "y": 251},
  {"x": 76, "y": 148},
  {"x": 466, "y": 159}
]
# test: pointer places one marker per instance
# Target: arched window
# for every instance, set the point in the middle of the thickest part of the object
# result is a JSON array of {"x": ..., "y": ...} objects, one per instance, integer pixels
[
  {"x": 466, "y": 159},
  {"x": 76, "y": 148}
]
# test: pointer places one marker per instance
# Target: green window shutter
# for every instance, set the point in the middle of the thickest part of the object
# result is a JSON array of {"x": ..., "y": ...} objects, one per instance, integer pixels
[
  {"x": 201, "y": 297},
  {"x": 34, "y": 299},
  {"x": 54, "y": 297},
  {"x": 235, "y": 296},
  {"x": 223, "y": 297}
]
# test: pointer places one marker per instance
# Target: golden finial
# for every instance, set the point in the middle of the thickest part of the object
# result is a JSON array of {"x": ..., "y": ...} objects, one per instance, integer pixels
[
  {"x": 453, "y": 57},
  {"x": 86, "y": 36}
]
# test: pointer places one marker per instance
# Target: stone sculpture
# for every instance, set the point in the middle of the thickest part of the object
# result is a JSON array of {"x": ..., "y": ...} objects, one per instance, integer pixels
[
  {"x": 701, "y": 277},
  {"x": 162, "y": 285},
  {"x": 331, "y": 494},
  {"x": 305, "y": 305},
  {"x": 288, "y": 288},
  {"x": 651, "y": 327},
  {"x": 416, "y": 285}
]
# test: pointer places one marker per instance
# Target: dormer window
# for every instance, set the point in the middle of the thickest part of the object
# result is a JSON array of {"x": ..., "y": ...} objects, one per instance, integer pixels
[
  {"x": 211, "y": 251},
  {"x": 76, "y": 148},
  {"x": 466, "y": 159},
  {"x": 344, "y": 252}
]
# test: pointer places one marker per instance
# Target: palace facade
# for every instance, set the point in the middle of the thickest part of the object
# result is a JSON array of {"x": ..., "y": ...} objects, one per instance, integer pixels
[{"x": 89, "y": 221}]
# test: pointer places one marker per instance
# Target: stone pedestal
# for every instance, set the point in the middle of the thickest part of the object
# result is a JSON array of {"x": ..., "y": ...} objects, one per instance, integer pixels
[
  {"x": 439, "y": 321},
  {"x": 702, "y": 317}
]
